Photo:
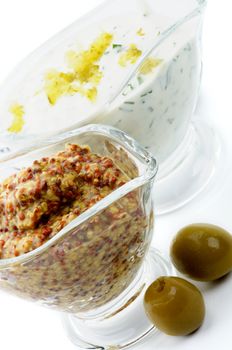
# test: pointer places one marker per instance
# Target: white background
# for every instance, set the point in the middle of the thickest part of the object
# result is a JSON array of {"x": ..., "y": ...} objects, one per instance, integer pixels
[{"x": 26, "y": 24}]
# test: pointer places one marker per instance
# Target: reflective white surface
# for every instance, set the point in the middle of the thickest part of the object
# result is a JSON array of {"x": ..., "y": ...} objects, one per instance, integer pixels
[{"x": 25, "y": 325}]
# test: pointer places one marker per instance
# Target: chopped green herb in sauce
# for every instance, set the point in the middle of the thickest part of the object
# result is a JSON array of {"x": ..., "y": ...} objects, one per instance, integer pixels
[
  {"x": 140, "y": 80},
  {"x": 115, "y": 46},
  {"x": 129, "y": 102}
]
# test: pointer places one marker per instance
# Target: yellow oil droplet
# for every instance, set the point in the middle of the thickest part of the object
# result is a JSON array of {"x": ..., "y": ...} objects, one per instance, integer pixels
[
  {"x": 18, "y": 122},
  {"x": 130, "y": 56},
  {"x": 140, "y": 32},
  {"x": 149, "y": 64}
]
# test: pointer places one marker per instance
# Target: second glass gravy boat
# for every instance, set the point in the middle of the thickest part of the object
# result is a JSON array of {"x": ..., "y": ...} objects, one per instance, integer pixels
[{"x": 146, "y": 83}]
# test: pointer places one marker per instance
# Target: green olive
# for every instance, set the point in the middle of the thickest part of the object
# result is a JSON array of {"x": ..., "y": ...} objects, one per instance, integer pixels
[
  {"x": 174, "y": 305},
  {"x": 202, "y": 251}
]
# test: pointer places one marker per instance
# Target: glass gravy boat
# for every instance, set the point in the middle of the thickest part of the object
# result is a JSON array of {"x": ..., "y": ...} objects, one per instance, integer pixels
[
  {"x": 96, "y": 268},
  {"x": 146, "y": 83},
  {"x": 149, "y": 73},
  {"x": 170, "y": 34}
]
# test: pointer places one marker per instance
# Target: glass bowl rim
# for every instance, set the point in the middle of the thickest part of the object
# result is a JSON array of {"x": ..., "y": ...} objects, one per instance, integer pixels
[{"x": 131, "y": 145}]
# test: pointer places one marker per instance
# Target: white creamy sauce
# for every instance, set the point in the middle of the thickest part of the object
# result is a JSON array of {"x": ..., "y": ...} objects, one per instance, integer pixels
[{"x": 154, "y": 108}]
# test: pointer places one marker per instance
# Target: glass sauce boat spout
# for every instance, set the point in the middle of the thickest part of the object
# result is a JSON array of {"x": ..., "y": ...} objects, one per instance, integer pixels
[{"x": 173, "y": 22}]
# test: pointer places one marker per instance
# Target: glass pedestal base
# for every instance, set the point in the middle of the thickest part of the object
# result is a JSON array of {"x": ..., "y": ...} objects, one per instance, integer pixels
[
  {"x": 123, "y": 322},
  {"x": 189, "y": 169}
]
